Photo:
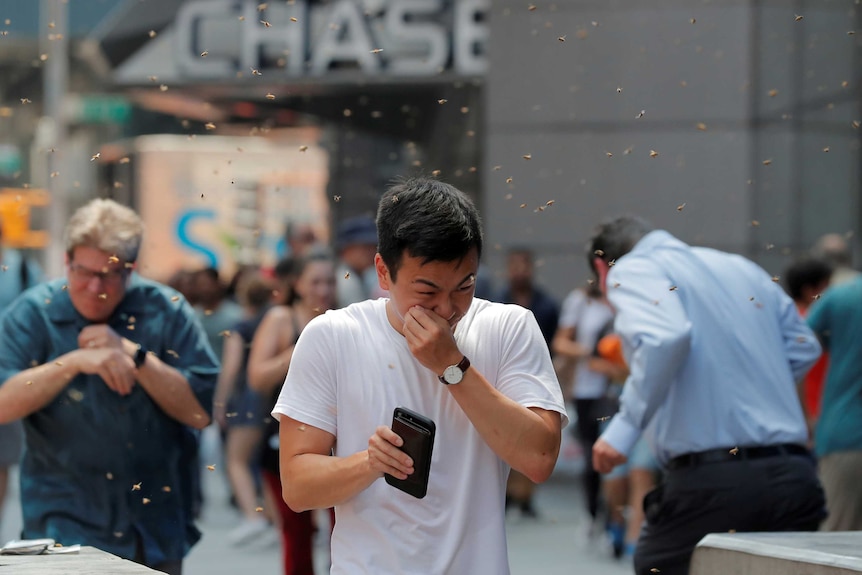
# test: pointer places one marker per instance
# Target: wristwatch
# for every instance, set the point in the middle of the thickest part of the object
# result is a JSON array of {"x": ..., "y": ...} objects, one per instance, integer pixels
[
  {"x": 140, "y": 356},
  {"x": 455, "y": 373}
]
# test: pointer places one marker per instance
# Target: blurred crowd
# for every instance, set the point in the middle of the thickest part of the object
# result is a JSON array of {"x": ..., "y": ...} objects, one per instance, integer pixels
[
  {"x": 253, "y": 319},
  {"x": 258, "y": 314}
]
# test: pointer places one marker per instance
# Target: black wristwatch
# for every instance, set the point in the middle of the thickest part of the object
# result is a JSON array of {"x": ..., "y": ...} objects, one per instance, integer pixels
[
  {"x": 140, "y": 356},
  {"x": 455, "y": 373}
]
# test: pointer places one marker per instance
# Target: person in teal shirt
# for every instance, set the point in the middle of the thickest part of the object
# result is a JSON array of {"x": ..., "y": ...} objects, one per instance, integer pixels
[
  {"x": 836, "y": 318},
  {"x": 111, "y": 374}
]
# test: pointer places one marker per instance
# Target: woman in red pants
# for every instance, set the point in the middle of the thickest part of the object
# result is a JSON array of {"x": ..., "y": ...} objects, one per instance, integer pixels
[{"x": 271, "y": 350}]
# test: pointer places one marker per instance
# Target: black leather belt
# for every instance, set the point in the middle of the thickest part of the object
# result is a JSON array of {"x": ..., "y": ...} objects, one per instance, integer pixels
[{"x": 734, "y": 454}]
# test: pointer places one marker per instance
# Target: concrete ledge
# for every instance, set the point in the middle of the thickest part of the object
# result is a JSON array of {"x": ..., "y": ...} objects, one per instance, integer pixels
[
  {"x": 778, "y": 554},
  {"x": 90, "y": 561}
]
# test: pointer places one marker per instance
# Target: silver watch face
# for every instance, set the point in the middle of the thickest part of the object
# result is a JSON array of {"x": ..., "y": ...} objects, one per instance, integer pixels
[{"x": 453, "y": 375}]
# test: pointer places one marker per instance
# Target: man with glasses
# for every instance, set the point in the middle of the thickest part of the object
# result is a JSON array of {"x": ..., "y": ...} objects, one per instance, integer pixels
[{"x": 111, "y": 373}]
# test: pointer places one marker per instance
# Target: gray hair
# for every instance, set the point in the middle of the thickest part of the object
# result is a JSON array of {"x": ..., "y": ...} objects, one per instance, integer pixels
[
  {"x": 107, "y": 226},
  {"x": 834, "y": 249}
]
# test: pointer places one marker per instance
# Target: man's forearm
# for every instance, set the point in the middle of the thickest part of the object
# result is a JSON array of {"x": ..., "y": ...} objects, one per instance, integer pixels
[
  {"x": 314, "y": 481},
  {"x": 527, "y": 441},
  {"x": 172, "y": 392},
  {"x": 32, "y": 389}
]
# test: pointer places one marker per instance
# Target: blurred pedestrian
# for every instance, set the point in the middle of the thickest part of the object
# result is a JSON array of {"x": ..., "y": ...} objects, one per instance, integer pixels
[
  {"x": 352, "y": 367},
  {"x": 835, "y": 251},
  {"x": 356, "y": 243},
  {"x": 182, "y": 281},
  {"x": 18, "y": 273},
  {"x": 837, "y": 319},
  {"x": 240, "y": 411},
  {"x": 270, "y": 357},
  {"x": 806, "y": 279},
  {"x": 626, "y": 485},
  {"x": 715, "y": 349},
  {"x": 216, "y": 312},
  {"x": 109, "y": 372},
  {"x": 299, "y": 237},
  {"x": 584, "y": 315},
  {"x": 521, "y": 289}
]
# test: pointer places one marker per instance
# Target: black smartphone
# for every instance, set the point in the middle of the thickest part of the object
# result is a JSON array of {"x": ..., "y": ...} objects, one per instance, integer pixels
[{"x": 417, "y": 431}]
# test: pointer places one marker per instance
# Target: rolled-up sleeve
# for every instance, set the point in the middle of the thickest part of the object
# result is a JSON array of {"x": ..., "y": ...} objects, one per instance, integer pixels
[
  {"x": 656, "y": 335},
  {"x": 192, "y": 354}
]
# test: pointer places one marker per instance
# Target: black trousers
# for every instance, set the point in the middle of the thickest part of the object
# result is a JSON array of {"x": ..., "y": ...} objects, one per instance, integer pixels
[
  {"x": 779, "y": 493},
  {"x": 587, "y": 434}
]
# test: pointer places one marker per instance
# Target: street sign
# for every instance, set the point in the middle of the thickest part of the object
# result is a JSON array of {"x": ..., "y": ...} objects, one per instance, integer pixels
[{"x": 98, "y": 109}]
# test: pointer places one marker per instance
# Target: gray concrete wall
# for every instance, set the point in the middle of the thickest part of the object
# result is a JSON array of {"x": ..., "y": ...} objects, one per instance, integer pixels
[{"x": 568, "y": 82}]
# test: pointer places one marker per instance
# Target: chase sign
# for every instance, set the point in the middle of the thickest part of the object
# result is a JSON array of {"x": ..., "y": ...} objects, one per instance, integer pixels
[{"x": 214, "y": 39}]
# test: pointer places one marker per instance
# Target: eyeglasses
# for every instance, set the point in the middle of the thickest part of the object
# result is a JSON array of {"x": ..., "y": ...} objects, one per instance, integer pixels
[{"x": 85, "y": 274}]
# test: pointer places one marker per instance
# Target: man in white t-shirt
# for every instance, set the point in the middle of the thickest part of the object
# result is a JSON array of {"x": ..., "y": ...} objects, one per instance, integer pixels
[{"x": 480, "y": 370}]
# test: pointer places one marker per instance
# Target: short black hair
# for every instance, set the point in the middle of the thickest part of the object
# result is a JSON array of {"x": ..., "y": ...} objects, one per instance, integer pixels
[
  {"x": 615, "y": 238},
  {"x": 806, "y": 272},
  {"x": 210, "y": 272},
  {"x": 431, "y": 220},
  {"x": 285, "y": 268}
]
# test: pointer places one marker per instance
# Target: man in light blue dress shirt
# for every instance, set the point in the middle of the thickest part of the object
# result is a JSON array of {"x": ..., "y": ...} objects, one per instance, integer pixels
[{"x": 716, "y": 349}]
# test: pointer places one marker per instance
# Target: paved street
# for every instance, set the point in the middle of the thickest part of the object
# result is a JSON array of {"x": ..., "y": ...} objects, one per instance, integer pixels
[{"x": 554, "y": 544}]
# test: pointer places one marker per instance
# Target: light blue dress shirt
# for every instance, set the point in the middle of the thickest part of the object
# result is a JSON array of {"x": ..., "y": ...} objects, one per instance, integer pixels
[{"x": 715, "y": 348}]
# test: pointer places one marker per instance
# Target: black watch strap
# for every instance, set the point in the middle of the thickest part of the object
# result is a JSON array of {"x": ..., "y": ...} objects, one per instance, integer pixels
[{"x": 140, "y": 356}]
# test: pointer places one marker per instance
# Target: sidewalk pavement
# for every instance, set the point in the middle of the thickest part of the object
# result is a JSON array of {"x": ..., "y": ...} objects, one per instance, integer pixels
[{"x": 557, "y": 543}]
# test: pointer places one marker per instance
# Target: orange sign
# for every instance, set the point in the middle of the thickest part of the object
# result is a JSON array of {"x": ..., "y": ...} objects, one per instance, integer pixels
[{"x": 15, "y": 209}]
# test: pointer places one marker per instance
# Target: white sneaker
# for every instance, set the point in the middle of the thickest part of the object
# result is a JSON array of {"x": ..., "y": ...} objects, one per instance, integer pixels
[{"x": 247, "y": 531}]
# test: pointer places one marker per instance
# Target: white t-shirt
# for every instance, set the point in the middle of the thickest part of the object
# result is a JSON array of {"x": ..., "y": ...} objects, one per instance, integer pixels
[
  {"x": 588, "y": 316},
  {"x": 349, "y": 372}
]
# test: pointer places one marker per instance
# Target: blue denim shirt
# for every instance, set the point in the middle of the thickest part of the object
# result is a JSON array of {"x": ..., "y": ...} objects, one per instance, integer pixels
[{"x": 98, "y": 468}]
